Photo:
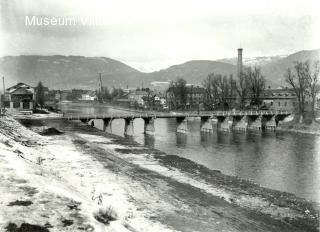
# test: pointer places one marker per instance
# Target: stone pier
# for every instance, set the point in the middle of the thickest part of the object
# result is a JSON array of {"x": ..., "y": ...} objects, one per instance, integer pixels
[
  {"x": 206, "y": 124},
  {"x": 107, "y": 125},
  {"x": 255, "y": 122},
  {"x": 240, "y": 123},
  {"x": 182, "y": 125},
  {"x": 149, "y": 126},
  {"x": 223, "y": 123},
  {"x": 270, "y": 122},
  {"x": 85, "y": 120},
  {"x": 280, "y": 118},
  {"x": 128, "y": 127}
]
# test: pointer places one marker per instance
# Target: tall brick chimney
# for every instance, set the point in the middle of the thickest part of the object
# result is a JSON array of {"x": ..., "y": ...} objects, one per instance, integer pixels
[{"x": 239, "y": 62}]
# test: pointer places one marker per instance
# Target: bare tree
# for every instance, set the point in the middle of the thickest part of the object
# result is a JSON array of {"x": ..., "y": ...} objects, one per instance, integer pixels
[
  {"x": 182, "y": 89},
  {"x": 242, "y": 88},
  {"x": 312, "y": 80},
  {"x": 297, "y": 79},
  {"x": 218, "y": 91},
  {"x": 40, "y": 94},
  {"x": 211, "y": 88},
  {"x": 224, "y": 88},
  {"x": 177, "y": 93},
  {"x": 256, "y": 84},
  {"x": 232, "y": 94}
]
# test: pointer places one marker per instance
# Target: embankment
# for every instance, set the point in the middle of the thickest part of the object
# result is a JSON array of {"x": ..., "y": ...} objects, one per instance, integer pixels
[{"x": 89, "y": 180}]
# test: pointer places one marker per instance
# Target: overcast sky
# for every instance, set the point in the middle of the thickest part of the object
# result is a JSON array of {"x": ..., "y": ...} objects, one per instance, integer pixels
[{"x": 150, "y": 35}]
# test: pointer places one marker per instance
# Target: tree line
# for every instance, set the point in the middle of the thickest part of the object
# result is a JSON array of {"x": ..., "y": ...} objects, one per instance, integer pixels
[
  {"x": 105, "y": 94},
  {"x": 303, "y": 77},
  {"x": 246, "y": 91},
  {"x": 224, "y": 92}
]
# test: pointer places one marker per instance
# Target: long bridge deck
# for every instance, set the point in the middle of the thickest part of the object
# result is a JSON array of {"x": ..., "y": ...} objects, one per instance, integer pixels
[
  {"x": 175, "y": 115},
  {"x": 241, "y": 120},
  {"x": 226, "y": 120}
]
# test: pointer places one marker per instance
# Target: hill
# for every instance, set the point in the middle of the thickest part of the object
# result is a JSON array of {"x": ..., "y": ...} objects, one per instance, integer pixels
[
  {"x": 194, "y": 72},
  {"x": 67, "y": 72},
  {"x": 252, "y": 61},
  {"x": 275, "y": 70}
]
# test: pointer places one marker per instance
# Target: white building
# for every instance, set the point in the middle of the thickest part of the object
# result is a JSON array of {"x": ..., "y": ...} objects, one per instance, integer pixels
[{"x": 90, "y": 96}]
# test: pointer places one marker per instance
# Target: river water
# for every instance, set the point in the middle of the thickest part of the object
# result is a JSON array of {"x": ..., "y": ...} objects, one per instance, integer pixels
[{"x": 278, "y": 160}]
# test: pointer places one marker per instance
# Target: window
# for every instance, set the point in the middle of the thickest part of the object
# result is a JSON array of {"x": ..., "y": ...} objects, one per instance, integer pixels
[
  {"x": 271, "y": 104},
  {"x": 285, "y": 103},
  {"x": 278, "y": 103}
]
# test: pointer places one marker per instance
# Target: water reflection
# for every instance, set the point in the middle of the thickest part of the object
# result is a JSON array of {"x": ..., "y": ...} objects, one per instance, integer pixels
[
  {"x": 181, "y": 140},
  {"x": 149, "y": 141}
]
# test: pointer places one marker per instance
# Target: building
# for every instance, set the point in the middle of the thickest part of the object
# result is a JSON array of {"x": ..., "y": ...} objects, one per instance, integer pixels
[
  {"x": 194, "y": 99},
  {"x": 20, "y": 96},
  {"x": 318, "y": 102},
  {"x": 161, "y": 100},
  {"x": 136, "y": 97},
  {"x": 76, "y": 94},
  {"x": 160, "y": 85},
  {"x": 89, "y": 96},
  {"x": 279, "y": 99}
]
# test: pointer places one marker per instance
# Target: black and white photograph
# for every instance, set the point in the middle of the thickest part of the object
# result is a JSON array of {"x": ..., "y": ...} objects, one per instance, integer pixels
[{"x": 159, "y": 116}]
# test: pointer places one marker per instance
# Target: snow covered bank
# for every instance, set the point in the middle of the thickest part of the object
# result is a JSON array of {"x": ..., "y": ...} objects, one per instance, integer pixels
[
  {"x": 280, "y": 205},
  {"x": 49, "y": 184},
  {"x": 87, "y": 180}
]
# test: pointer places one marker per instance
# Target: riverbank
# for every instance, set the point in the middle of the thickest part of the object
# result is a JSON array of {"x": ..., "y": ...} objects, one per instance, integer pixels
[
  {"x": 35, "y": 193},
  {"x": 84, "y": 179},
  {"x": 295, "y": 127}
]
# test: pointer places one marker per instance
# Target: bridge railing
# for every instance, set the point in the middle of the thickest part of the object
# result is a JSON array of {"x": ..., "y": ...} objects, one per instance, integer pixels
[{"x": 178, "y": 114}]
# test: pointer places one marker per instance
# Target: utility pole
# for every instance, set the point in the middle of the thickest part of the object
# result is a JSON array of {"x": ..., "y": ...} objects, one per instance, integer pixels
[
  {"x": 99, "y": 92},
  {"x": 2, "y": 95}
]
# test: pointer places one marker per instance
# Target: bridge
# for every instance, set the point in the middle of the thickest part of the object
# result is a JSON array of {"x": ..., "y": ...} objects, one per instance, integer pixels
[{"x": 226, "y": 120}]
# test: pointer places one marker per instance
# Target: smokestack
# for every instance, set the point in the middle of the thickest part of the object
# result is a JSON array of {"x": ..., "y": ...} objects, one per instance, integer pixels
[{"x": 239, "y": 62}]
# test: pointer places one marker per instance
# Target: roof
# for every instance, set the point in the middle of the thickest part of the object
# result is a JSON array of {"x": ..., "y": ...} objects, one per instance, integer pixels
[
  {"x": 196, "y": 89},
  {"x": 90, "y": 93},
  {"x": 24, "y": 89},
  {"x": 191, "y": 89},
  {"x": 279, "y": 93}
]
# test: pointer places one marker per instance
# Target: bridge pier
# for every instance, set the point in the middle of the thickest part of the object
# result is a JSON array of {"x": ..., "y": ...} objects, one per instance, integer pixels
[
  {"x": 182, "y": 125},
  {"x": 149, "y": 125},
  {"x": 85, "y": 120},
  {"x": 226, "y": 120},
  {"x": 107, "y": 125},
  {"x": 280, "y": 118},
  {"x": 270, "y": 122},
  {"x": 206, "y": 124},
  {"x": 254, "y": 122},
  {"x": 240, "y": 123},
  {"x": 223, "y": 123},
  {"x": 128, "y": 127}
]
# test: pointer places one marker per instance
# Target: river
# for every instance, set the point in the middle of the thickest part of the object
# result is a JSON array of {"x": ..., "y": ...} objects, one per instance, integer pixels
[{"x": 282, "y": 161}]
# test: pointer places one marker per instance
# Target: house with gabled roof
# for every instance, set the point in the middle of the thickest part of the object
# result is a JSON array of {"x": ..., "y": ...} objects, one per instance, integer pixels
[{"x": 20, "y": 96}]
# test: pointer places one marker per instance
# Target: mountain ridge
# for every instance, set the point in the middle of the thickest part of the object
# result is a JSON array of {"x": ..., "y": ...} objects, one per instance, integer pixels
[{"x": 60, "y": 71}]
